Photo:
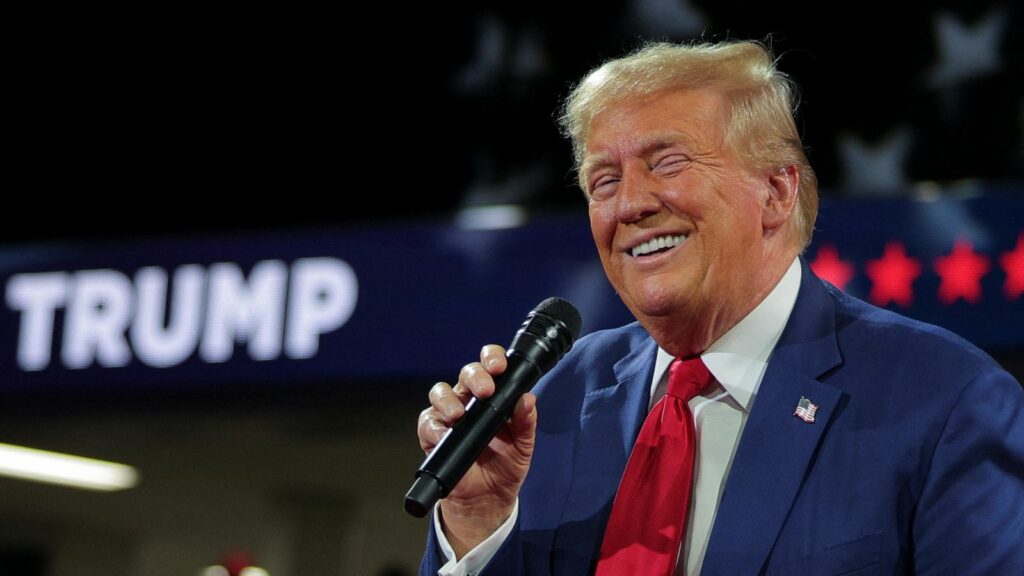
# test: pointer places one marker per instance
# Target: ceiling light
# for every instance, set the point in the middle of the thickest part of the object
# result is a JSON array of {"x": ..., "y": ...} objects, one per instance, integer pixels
[{"x": 65, "y": 469}]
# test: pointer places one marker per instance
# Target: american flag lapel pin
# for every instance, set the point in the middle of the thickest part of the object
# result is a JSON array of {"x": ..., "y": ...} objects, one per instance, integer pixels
[{"x": 805, "y": 410}]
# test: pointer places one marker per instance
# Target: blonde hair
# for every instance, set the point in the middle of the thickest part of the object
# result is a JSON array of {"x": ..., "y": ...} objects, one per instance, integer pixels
[{"x": 761, "y": 100}]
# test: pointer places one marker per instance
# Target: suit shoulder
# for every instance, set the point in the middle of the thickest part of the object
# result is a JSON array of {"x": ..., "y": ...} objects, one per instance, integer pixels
[{"x": 866, "y": 332}]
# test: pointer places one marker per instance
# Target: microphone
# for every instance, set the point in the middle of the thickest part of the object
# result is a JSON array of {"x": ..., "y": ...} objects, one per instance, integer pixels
[{"x": 547, "y": 334}]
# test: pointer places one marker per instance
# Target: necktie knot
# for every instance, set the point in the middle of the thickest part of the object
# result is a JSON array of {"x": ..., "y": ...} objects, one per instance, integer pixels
[{"x": 687, "y": 377}]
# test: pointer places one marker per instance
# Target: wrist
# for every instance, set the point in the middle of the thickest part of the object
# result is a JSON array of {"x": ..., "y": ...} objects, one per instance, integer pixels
[{"x": 467, "y": 524}]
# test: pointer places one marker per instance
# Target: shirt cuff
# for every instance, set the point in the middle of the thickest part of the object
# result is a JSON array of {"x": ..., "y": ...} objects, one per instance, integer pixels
[{"x": 477, "y": 558}]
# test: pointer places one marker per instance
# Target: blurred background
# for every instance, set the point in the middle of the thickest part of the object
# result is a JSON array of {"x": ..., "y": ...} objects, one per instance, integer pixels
[{"x": 238, "y": 246}]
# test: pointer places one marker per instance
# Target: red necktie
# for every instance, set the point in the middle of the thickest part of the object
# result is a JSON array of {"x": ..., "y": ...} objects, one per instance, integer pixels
[{"x": 648, "y": 518}]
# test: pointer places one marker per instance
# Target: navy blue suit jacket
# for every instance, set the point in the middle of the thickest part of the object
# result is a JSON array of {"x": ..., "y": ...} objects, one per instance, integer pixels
[{"x": 914, "y": 465}]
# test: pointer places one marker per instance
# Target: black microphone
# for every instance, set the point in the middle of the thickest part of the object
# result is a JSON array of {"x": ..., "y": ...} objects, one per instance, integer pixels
[{"x": 542, "y": 340}]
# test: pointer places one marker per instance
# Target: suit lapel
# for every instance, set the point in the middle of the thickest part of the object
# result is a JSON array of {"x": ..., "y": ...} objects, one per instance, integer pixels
[
  {"x": 777, "y": 448},
  {"x": 610, "y": 420}
]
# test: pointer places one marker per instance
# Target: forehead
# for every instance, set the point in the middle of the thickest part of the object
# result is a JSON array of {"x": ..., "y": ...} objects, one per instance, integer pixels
[{"x": 695, "y": 117}]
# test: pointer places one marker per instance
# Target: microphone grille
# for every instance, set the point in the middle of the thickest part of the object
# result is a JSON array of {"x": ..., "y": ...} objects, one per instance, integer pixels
[{"x": 563, "y": 311}]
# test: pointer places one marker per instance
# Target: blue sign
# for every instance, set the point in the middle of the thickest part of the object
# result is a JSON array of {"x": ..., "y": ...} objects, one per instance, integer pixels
[
  {"x": 412, "y": 302},
  {"x": 957, "y": 263}
]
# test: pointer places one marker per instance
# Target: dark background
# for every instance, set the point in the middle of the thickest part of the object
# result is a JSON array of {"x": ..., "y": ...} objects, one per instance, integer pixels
[{"x": 165, "y": 122}]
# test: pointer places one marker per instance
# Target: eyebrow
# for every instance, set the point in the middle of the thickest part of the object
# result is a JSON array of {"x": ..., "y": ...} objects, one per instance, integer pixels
[{"x": 644, "y": 146}]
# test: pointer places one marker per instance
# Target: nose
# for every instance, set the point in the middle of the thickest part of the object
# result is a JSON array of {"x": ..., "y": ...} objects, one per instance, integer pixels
[{"x": 638, "y": 195}]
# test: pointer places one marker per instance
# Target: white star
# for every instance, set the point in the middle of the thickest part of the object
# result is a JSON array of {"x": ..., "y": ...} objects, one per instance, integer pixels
[
  {"x": 490, "y": 48},
  {"x": 668, "y": 18},
  {"x": 966, "y": 51},
  {"x": 501, "y": 49},
  {"x": 878, "y": 169}
]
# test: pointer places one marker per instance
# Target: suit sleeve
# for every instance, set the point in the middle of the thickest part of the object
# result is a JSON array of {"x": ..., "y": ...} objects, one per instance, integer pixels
[{"x": 970, "y": 519}]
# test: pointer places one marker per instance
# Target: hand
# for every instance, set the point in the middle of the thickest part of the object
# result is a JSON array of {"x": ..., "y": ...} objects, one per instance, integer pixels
[{"x": 486, "y": 495}]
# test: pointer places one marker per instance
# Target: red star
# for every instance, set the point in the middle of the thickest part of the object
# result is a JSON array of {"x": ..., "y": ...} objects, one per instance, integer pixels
[
  {"x": 1013, "y": 264},
  {"x": 828, "y": 266},
  {"x": 893, "y": 275},
  {"x": 961, "y": 273}
]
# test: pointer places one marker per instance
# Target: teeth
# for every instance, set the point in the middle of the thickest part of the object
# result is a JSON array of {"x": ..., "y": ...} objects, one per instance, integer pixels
[{"x": 658, "y": 243}]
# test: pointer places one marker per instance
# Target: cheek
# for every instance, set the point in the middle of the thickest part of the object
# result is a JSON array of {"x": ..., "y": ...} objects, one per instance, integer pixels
[
  {"x": 740, "y": 212},
  {"x": 602, "y": 226}
]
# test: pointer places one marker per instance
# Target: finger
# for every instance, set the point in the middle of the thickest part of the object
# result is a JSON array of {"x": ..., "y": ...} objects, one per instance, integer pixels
[
  {"x": 449, "y": 406},
  {"x": 462, "y": 393},
  {"x": 430, "y": 429},
  {"x": 523, "y": 424},
  {"x": 492, "y": 357},
  {"x": 477, "y": 380}
]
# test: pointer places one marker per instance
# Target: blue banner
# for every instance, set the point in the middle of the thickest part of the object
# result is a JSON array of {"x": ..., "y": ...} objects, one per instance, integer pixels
[
  {"x": 958, "y": 263},
  {"x": 406, "y": 302}
]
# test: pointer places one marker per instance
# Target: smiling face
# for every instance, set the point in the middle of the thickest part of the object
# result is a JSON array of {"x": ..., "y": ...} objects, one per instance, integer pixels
[{"x": 688, "y": 234}]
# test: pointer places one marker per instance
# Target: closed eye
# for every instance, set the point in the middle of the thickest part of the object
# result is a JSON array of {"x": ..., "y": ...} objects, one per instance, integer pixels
[
  {"x": 670, "y": 165},
  {"x": 604, "y": 186}
]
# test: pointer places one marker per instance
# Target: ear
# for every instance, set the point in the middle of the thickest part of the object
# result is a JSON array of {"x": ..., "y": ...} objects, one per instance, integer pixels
[{"x": 783, "y": 188}]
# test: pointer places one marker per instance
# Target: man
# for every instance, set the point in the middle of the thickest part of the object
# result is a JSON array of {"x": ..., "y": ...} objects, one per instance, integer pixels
[{"x": 835, "y": 438}]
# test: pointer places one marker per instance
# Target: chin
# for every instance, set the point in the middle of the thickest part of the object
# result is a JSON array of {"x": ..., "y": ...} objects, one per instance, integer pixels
[{"x": 654, "y": 305}]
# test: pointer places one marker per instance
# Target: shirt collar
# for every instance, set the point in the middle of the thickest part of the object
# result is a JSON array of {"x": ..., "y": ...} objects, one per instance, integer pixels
[{"x": 739, "y": 357}]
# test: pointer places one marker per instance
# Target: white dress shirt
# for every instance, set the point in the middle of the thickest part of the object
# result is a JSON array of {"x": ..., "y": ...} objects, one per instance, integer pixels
[{"x": 738, "y": 361}]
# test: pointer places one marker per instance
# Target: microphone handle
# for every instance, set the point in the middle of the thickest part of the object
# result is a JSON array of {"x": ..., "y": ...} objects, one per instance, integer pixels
[{"x": 466, "y": 440}]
